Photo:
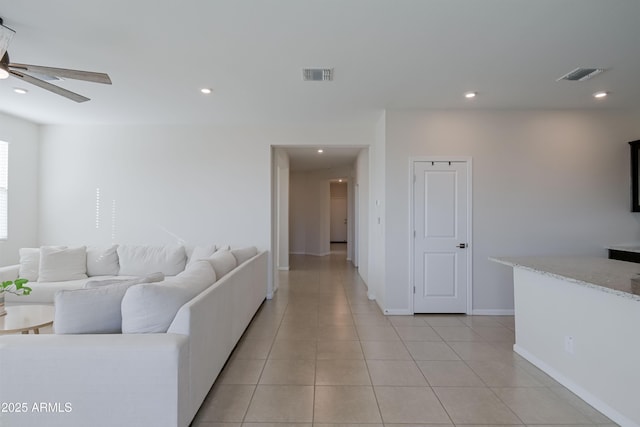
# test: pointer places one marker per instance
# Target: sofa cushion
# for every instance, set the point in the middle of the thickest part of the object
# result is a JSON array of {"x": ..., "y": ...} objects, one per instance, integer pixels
[
  {"x": 150, "y": 308},
  {"x": 244, "y": 254},
  {"x": 143, "y": 260},
  {"x": 150, "y": 278},
  {"x": 201, "y": 252},
  {"x": 90, "y": 311},
  {"x": 102, "y": 261},
  {"x": 198, "y": 276},
  {"x": 29, "y": 263},
  {"x": 61, "y": 264},
  {"x": 44, "y": 292},
  {"x": 222, "y": 262}
]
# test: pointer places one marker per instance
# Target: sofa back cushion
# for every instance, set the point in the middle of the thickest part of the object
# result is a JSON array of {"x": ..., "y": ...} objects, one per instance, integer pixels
[
  {"x": 142, "y": 260},
  {"x": 201, "y": 252},
  {"x": 62, "y": 264},
  {"x": 29, "y": 263},
  {"x": 102, "y": 261},
  {"x": 150, "y": 308},
  {"x": 222, "y": 262},
  {"x": 94, "y": 309},
  {"x": 90, "y": 311},
  {"x": 243, "y": 254}
]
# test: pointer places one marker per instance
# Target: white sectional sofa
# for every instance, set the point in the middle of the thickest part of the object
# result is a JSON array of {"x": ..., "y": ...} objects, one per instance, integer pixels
[
  {"x": 135, "y": 379},
  {"x": 53, "y": 268}
]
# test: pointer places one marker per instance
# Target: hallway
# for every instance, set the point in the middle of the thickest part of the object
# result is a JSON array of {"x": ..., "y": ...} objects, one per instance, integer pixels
[{"x": 320, "y": 352}]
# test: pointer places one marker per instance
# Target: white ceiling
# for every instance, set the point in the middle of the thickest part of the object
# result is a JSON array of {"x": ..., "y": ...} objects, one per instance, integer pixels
[{"x": 394, "y": 54}]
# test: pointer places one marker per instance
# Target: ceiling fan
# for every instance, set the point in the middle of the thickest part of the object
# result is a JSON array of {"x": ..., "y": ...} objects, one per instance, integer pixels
[{"x": 26, "y": 72}]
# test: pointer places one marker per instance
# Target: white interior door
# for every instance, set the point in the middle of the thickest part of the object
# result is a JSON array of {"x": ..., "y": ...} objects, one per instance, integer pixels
[
  {"x": 338, "y": 231},
  {"x": 441, "y": 238}
]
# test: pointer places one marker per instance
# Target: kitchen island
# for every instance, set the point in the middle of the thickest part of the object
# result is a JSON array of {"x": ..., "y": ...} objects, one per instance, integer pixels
[{"x": 578, "y": 319}]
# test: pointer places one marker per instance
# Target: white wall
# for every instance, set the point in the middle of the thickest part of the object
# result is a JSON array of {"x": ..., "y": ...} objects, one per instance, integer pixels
[
  {"x": 196, "y": 184},
  {"x": 351, "y": 215},
  {"x": 362, "y": 180},
  {"x": 23, "y": 139},
  {"x": 378, "y": 289},
  {"x": 282, "y": 207},
  {"x": 604, "y": 328},
  {"x": 554, "y": 182}
]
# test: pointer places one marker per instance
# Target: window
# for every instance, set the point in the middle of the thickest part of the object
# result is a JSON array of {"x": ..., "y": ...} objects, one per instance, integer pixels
[{"x": 4, "y": 187}]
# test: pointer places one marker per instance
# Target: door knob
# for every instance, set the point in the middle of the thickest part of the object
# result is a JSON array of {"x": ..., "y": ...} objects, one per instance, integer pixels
[{"x": 462, "y": 245}]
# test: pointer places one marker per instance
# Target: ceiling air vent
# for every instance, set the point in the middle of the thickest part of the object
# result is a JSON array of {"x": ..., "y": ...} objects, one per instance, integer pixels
[
  {"x": 581, "y": 74},
  {"x": 317, "y": 74}
]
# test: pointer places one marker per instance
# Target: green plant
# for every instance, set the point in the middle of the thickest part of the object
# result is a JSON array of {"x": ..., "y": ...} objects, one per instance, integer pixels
[{"x": 15, "y": 287}]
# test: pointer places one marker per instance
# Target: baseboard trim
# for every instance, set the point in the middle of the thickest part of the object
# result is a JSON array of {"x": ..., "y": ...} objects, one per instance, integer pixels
[
  {"x": 592, "y": 400},
  {"x": 283, "y": 268},
  {"x": 398, "y": 312},
  {"x": 493, "y": 312}
]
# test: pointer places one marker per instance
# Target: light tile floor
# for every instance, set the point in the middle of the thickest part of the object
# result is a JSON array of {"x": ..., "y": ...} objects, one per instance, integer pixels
[{"x": 321, "y": 353}]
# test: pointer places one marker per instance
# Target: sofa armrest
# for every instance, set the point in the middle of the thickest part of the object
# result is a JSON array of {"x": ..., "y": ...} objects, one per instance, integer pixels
[
  {"x": 96, "y": 380},
  {"x": 9, "y": 272}
]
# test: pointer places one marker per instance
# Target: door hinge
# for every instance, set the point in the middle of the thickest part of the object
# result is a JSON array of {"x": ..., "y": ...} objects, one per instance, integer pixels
[
  {"x": 414, "y": 179},
  {"x": 414, "y": 234},
  {"x": 414, "y": 289}
]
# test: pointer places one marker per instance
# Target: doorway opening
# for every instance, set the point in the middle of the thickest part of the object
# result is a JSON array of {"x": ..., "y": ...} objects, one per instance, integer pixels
[
  {"x": 338, "y": 193},
  {"x": 319, "y": 205}
]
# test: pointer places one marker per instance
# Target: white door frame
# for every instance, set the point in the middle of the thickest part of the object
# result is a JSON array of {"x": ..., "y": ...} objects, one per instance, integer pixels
[{"x": 469, "y": 252}]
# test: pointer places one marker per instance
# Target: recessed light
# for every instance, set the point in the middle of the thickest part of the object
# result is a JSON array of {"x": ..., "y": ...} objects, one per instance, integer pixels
[
  {"x": 600, "y": 94},
  {"x": 339, "y": 180},
  {"x": 470, "y": 95},
  {"x": 20, "y": 90},
  {"x": 320, "y": 151},
  {"x": 206, "y": 90}
]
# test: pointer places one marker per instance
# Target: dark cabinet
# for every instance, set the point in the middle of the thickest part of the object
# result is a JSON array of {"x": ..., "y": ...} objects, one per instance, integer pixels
[
  {"x": 621, "y": 255},
  {"x": 635, "y": 175}
]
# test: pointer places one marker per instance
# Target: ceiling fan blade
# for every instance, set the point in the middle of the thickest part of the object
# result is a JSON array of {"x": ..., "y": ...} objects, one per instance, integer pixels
[
  {"x": 88, "y": 76},
  {"x": 48, "y": 86},
  {"x": 6, "y": 34}
]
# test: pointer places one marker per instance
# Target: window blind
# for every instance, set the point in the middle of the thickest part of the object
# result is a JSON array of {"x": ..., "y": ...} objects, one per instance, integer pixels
[{"x": 4, "y": 188}]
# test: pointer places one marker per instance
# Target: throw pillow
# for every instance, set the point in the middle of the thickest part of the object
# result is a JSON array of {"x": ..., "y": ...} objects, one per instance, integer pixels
[
  {"x": 29, "y": 263},
  {"x": 62, "y": 264},
  {"x": 243, "y": 254},
  {"x": 151, "y": 307},
  {"x": 102, "y": 261},
  {"x": 143, "y": 260},
  {"x": 201, "y": 252},
  {"x": 90, "y": 311},
  {"x": 222, "y": 262}
]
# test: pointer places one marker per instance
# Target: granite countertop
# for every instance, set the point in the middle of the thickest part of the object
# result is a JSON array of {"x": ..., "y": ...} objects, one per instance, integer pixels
[{"x": 617, "y": 277}]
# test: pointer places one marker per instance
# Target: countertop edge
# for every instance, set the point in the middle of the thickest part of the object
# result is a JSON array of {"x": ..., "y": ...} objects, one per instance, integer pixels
[{"x": 513, "y": 264}]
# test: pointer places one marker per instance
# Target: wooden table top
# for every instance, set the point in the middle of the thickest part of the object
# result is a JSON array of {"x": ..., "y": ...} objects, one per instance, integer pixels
[{"x": 24, "y": 318}]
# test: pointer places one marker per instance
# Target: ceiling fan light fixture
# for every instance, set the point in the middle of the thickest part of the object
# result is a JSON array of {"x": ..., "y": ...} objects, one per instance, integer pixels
[{"x": 600, "y": 95}]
